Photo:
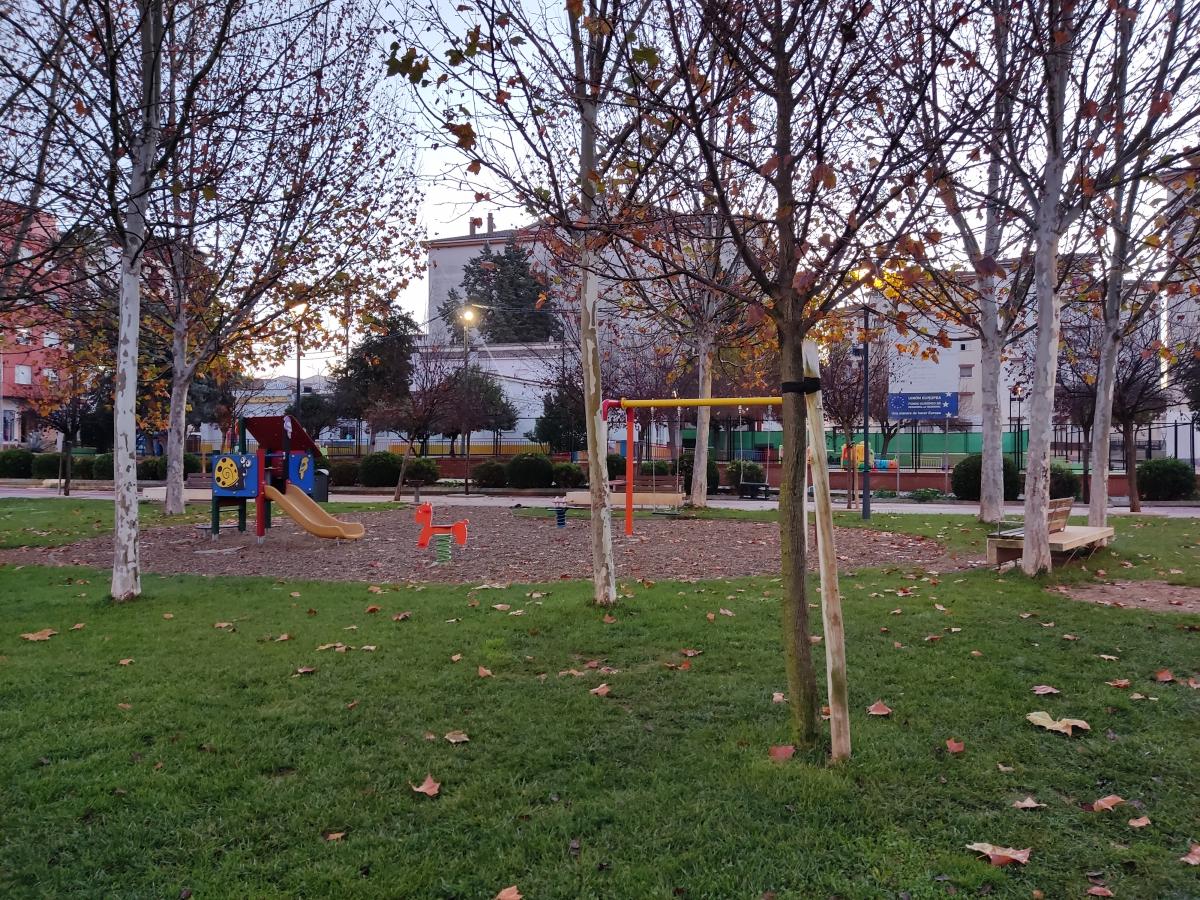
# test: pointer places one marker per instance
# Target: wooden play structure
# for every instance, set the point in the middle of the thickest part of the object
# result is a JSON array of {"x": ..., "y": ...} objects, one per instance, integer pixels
[
  {"x": 1065, "y": 540},
  {"x": 283, "y": 471}
]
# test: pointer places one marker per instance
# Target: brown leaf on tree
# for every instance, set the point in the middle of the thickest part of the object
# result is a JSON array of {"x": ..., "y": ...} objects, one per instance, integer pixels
[
  {"x": 428, "y": 787},
  {"x": 954, "y": 747},
  {"x": 879, "y": 708},
  {"x": 782, "y": 752},
  {"x": 1139, "y": 822},
  {"x": 484, "y": 672},
  {"x": 1028, "y": 803},
  {"x": 510, "y": 892},
  {"x": 1045, "y": 689},
  {"x": 1164, "y": 676},
  {"x": 1002, "y": 856},
  {"x": 600, "y": 690},
  {"x": 1106, "y": 803},
  {"x": 457, "y": 737},
  {"x": 1063, "y": 726},
  {"x": 44, "y": 635}
]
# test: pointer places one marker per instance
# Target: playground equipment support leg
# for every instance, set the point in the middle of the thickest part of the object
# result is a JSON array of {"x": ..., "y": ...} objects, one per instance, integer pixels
[{"x": 628, "y": 472}]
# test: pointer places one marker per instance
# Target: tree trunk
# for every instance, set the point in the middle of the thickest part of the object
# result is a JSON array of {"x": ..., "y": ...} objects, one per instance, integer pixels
[
  {"x": 801, "y": 678},
  {"x": 66, "y": 467},
  {"x": 398, "y": 494},
  {"x": 1106, "y": 378},
  {"x": 1035, "y": 556},
  {"x": 704, "y": 349},
  {"x": 1129, "y": 434},
  {"x": 126, "y": 575},
  {"x": 991, "y": 488},
  {"x": 181, "y": 382}
]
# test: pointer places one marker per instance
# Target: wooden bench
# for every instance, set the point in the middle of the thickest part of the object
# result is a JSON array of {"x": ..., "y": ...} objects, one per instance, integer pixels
[{"x": 1006, "y": 546}]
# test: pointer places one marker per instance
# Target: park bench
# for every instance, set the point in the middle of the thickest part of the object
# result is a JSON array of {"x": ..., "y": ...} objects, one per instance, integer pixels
[
  {"x": 1006, "y": 545},
  {"x": 754, "y": 490}
]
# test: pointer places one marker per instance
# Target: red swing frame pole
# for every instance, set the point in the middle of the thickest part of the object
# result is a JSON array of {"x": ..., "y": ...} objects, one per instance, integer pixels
[{"x": 628, "y": 470}]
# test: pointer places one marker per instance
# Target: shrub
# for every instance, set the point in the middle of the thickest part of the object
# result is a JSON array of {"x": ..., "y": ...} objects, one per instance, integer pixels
[
  {"x": 688, "y": 461},
  {"x": 966, "y": 479},
  {"x": 567, "y": 475},
  {"x": 884, "y": 495},
  {"x": 344, "y": 472},
  {"x": 152, "y": 468},
  {"x": 45, "y": 465},
  {"x": 490, "y": 474},
  {"x": 421, "y": 470},
  {"x": 744, "y": 470},
  {"x": 615, "y": 463},
  {"x": 1166, "y": 479},
  {"x": 656, "y": 467},
  {"x": 530, "y": 470},
  {"x": 82, "y": 466},
  {"x": 191, "y": 464},
  {"x": 102, "y": 467},
  {"x": 926, "y": 495},
  {"x": 1063, "y": 481},
  {"x": 379, "y": 470},
  {"x": 16, "y": 463}
]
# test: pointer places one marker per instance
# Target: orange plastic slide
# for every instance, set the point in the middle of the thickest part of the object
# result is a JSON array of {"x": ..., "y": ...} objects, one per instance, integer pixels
[{"x": 308, "y": 514}]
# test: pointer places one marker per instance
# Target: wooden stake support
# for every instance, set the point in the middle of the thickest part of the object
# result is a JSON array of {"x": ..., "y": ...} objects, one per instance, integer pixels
[{"x": 831, "y": 598}]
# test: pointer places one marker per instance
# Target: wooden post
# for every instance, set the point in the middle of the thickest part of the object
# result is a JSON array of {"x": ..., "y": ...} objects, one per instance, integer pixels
[{"x": 831, "y": 599}]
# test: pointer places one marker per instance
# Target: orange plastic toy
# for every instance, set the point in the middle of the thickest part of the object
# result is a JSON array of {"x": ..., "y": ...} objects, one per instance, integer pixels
[{"x": 428, "y": 529}]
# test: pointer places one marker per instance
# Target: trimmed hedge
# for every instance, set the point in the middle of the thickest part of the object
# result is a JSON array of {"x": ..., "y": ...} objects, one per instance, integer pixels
[
  {"x": 490, "y": 474},
  {"x": 83, "y": 467},
  {"x": 191, "y": 464},
  {"x": 966, "y": 479},
  {"x": 744, "y": 470},
  {"x": 568, "y": 475},
  {"x": 615, "y": 463},
  {"x": 102, "y": 467},
  {"x": 45, "y": 465},
  {"x": 656, "y": 467},
  {"x": 379, "y": 470},
  {"x": 421, "y": 470},
  {"x": 1063, "y": 481},
  {"x": 16, "y": 463},
  {"x": 530, "y": 470},
  {"x": 1166, "y": 479},
  {"x": 687, "y": 462},
  {"x": 344, "y": 473},
  {"x": 152, "y": 468}
]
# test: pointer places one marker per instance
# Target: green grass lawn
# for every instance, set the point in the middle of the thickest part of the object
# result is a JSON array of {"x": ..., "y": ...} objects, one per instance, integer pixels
[{"x": 204, "y": 764}]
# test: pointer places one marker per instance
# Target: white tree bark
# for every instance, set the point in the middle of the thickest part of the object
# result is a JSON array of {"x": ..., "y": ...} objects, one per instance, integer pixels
[
  {"x": 991, "y": 495},
  {"x": 181, "y": 382},
  {"x": 1106, "y": 377},
  {"x": 604, "y": 574},
  {"x": 704, "y": 350},
  {"x": 126, "y": 575}
]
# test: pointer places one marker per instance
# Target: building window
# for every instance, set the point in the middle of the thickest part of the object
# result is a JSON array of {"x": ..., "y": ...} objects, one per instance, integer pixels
[
  {"x": 24, "y": 338},
  {"x": 23, "y": 374},
  {"x": 51, "y": 339},
  {"x": 50, "y": 375},
  {"x": 962, "y": 346},
  {"x": 966, "y": 371}
]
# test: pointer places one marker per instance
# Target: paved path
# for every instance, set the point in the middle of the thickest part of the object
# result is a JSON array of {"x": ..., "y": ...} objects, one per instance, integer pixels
[{"x": 492, "y": 500}]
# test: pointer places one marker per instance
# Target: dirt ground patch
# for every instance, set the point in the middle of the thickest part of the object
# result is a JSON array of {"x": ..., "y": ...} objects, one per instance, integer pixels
[
  {"x": 1157, "y": 596},
  {"x": 502, "y": 547}
]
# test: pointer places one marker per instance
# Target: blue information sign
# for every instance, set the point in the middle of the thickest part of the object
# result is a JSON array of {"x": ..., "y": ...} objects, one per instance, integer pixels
[{"x": 923, "y": 406}]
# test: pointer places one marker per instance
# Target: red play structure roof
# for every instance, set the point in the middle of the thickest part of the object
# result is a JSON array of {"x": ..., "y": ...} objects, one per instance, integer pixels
[{"x": 269, "y": 432}]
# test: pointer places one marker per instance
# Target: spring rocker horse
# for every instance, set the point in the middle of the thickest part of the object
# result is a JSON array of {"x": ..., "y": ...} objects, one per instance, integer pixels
[{"x": 443, "y": 533}]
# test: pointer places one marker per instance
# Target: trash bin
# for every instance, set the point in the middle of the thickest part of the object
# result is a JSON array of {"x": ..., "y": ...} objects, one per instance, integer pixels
[{"x": 320, "y": 491}]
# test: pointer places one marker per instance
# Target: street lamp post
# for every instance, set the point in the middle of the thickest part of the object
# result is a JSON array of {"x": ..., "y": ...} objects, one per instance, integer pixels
[{"x": 468, "y": 316}]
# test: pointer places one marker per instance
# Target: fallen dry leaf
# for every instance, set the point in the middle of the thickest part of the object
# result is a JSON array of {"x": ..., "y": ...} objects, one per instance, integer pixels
[
  {"x": 457, "y": 737},
  {"x": 600, "y": 690},
  {"x": 1099, "y": 890},
  {"x": 283, "y": 637},
  {"x": 1192, "y": 857},
  {"x": 168, "y": 615},
  {"x": 44, "y": 635},
  {"x": 1164, "y": 676},
  {"x": 1063, "y": 726},
  {"x": 689, "y": 652},
  {"x": 295, "y": 594},
  {"x": 726, "y": 612},
  {"x": 954, "y": 747},
  {"x": 374, "y": 589},
  {"x": 1003, "y": 768},
  {"x": 502, "y": 607},
  {"x": 609, "y": 619},
  {"x": 977, "y": 653},
  {"x": 1139, "y": 822},
  {"x": 1070, "y": 637},
  {"x": 304, "y": 670},
  {"x": 125, "y": 662},
  {"x": 428, "y": 787},
  {"x": 484, "y": 672},
  {"x": 781, "y": 752},
  {"x": 1106, "y": 803},
  {"x": 457, "y": 657},
  {"x": 224, "y": 626},
  {"x": 1119, "y": 682},
  {"x": 777, "y": 697},
  {"x": 78, "y": 626},
  {"x": 352, "y": 704},
  {"x": 402, "y": 616},
  {"x": 1001, "y": 856},
  {"x": 124, "y": 706},
  {"x": 509, "y": 893},
  {"x": 369, "y": 648},
  {"x": 1028, "y": 803},
  {"x": 879, "y": 708},
  {"x": 711, "y": 617},
  {"x": 333, "y": 835},
  {"x": 374, "y": 608},
  {"x": 1108, "y": 657},
  {"x": 1045, "y": 689}
]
